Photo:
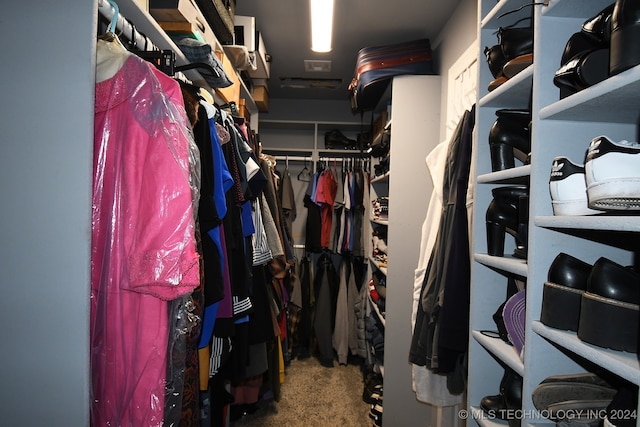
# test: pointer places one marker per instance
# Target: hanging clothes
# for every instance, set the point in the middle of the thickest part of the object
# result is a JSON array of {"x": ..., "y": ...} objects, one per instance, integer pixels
[
  {"x": 144, "y": 163},
  {"x": 431, "y": 387},
  {"x": 440, "y": 337},
  {"x": 288, "y": 201},
  {"x": 314, "y": 219},
  {"x": 326, "y": 293},
  {"x": 326, "y": 189},
  {"x": 305, "y": 324}
]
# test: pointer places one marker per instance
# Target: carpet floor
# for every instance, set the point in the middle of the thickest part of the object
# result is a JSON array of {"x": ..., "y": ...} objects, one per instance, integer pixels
[{"x": 314, "y": 396}]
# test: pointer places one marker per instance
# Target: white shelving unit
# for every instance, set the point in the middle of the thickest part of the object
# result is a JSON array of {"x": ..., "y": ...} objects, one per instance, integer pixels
[
  {"x": 560, "y": 127},
  {"x": 307, "y": 135}
]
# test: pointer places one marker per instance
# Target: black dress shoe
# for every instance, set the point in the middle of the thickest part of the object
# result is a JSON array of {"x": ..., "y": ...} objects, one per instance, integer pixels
[
  {"x": 495, "y": 59},
  {"x": 610, "y": 308},
  {"x": 582, "y": 71},
  {"x": 517, "y": 48},
  {"x": 562, "y": 292},
  {"x": 598, "y": 28},
  {"x": 562, "y": 394},
  {"x": 625, "y": 33},
  {"x": 585, "y": 59}
]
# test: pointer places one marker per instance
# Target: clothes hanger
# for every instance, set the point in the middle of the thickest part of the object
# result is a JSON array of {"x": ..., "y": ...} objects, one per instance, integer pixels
[
  {"x": 111, "y": 54},
  {"x": 110, "y": 34},
  {"x": 304, "y": 175}
]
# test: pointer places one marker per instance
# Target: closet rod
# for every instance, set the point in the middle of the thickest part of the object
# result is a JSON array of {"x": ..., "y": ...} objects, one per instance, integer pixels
[
  {"x": 293, "y": 158},
  {"x": 125, "y": 27}
]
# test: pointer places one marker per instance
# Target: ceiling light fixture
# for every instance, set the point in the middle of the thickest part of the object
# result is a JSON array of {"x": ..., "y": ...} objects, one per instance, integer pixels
[{"x": 321, "y": 25}]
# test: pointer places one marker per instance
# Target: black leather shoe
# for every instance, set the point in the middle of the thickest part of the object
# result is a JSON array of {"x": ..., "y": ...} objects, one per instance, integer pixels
[
  {"x": 515, "y": 41},
  {"x": 625, "y": 33},
  {"x": 502, "y": 217},
  {"x": 582, "y": 71},
  {"x": 509, "y": 399},
  {"x": 559, "y": 394},
  {"x": 509, "y": 138},
  {"x": 610, "y": 308},
  {"x": 495, "y": 59},
  {"x": 562, "y": 292},
  {"x": 517, "y": 48},
  {"x": 598, "y": 28}
]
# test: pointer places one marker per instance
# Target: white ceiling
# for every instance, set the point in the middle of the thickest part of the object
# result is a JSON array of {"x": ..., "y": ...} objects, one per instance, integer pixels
[{"x": 285, "y": 28}]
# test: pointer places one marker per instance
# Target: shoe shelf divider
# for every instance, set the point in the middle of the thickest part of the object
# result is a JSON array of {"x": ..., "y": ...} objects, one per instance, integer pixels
[{"x": 559, "y": 127}]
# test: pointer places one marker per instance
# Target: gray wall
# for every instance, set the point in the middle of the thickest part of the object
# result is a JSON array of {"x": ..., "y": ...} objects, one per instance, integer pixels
[{"x": 46, "y": 134}]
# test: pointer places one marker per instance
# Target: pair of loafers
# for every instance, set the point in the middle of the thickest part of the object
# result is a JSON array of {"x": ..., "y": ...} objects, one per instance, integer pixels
[
  {"x": 600, "y": 302},
  {"x": 606, "y": 45},
  {"x": 585, "y": 59}
]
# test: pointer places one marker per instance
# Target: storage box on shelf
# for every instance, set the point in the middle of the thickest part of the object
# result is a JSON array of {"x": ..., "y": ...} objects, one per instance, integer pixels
[
  {"x": 183, "y": 17},
  {"x": 261, "y": 97},
  {"x": 559, "y": 128}
]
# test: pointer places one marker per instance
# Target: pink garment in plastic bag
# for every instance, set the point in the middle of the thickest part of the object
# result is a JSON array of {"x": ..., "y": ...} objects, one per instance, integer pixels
[{"x": 146, "y": 179}]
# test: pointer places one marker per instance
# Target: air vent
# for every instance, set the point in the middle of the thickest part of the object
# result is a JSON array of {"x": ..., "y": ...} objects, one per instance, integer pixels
[
  {"x": 317, "y": 66},
  {"x": 303, "y": 83}
]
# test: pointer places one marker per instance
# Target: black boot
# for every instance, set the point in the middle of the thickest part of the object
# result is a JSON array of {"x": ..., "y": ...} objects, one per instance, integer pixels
[
  {"x": 506, "y": 404},
  {"x": 513, "y": 397},
  {"x": 494, "y": 405},
  {"x": 509, "y": 138},
  {"x": 503, "y": 217}
]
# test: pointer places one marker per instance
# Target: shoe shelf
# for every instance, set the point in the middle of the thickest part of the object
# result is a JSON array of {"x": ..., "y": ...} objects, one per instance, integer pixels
[
  {"x": 517, "y": 175},
  {"x": 381, "y": 178},
  {"x": 560, "y": 127},
  {"x": 594, "y": 103},
  {"x": 509, "y": 265},
  {"x": 623, "y": 364},
  {"x": 492, "y": 12},
  {"x": 514, "y": 93},
  {"x": 568, "y": 9},
  {"x": 501, "y": 350},
  {"x": 483, "y": 420},
  {"x": 595, "y": 222}
]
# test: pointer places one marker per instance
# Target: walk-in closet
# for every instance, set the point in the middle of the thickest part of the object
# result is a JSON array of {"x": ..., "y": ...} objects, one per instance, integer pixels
[{"x": 212, "y": 217}]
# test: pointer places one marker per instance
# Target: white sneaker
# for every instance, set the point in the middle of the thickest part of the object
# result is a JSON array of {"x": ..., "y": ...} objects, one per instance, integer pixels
[
  {"x": 568, "y": 189},
  {"x": 612, "y": 174}
]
